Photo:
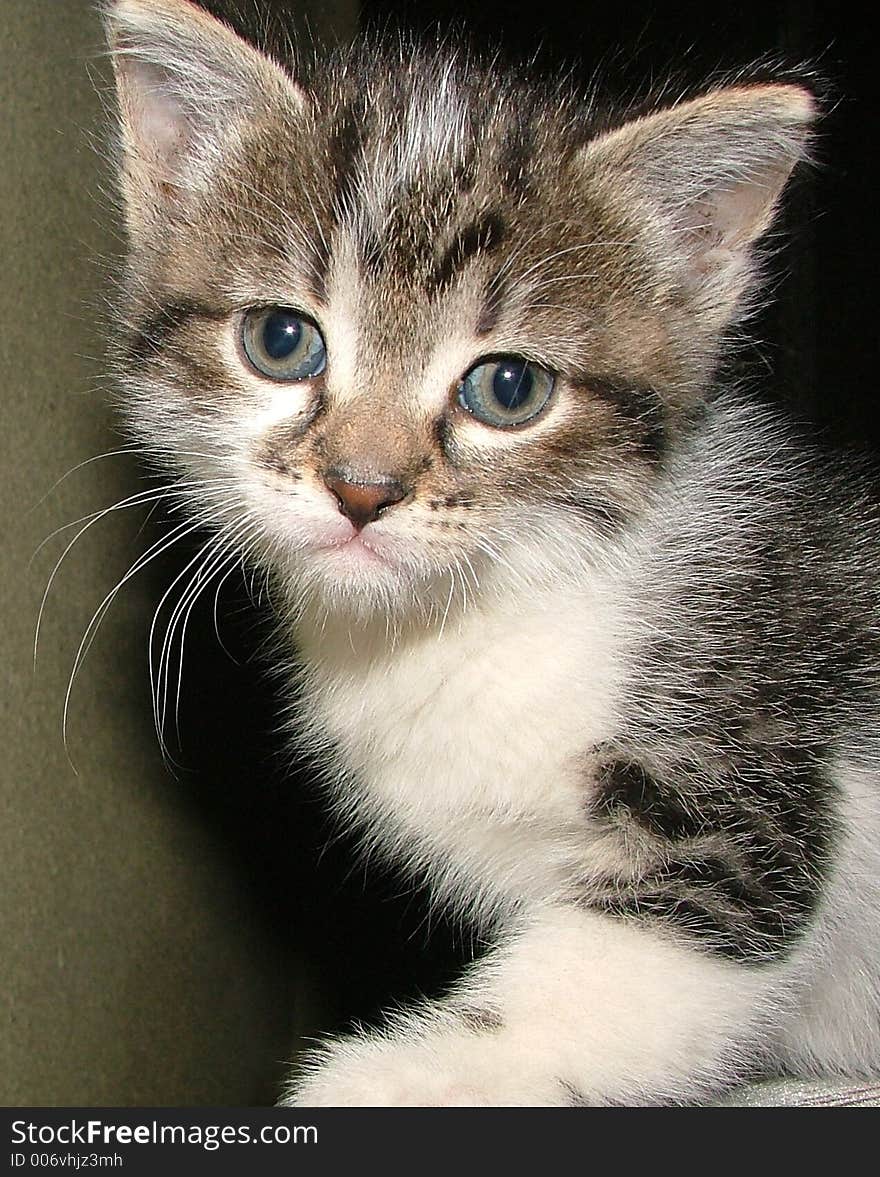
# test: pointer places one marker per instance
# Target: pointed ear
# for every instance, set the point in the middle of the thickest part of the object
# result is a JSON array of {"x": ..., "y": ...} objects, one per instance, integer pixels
[
  {"x": 707, "y": 174},
  {"x": 186, "y": 83}
]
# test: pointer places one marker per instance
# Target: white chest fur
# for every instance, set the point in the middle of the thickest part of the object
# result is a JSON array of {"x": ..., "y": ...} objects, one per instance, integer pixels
[{"x": 466, "y": 749}]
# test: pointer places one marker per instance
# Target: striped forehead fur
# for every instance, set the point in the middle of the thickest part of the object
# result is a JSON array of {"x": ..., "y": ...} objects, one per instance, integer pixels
[{"x": 427, "y": 156}]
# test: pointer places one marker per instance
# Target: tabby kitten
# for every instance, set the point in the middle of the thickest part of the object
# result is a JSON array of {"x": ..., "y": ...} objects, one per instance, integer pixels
[{"x": 588, "y": 640}]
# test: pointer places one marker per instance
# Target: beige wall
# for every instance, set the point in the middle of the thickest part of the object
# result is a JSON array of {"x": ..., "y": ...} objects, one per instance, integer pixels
[{"x": 132, "y": 966}]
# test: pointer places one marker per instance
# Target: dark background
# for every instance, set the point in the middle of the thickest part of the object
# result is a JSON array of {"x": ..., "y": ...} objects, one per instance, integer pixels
[{"x": 817, "y": 352}]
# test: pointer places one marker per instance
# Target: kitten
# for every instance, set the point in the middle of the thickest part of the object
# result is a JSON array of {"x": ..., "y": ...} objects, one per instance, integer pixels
[{"x": 589, "y": 641}]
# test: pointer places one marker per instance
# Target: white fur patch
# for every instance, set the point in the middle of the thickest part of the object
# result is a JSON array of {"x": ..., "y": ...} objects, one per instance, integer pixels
[{"x": 581, "y": 1009}]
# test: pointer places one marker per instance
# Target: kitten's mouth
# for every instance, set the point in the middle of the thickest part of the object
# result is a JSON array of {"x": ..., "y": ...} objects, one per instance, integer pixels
[{"x": 357, "y": 549}]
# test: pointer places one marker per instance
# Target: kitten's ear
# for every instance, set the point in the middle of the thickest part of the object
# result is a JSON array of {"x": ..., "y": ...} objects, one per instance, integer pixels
[
  {"x": 185, "y": 82},
  {"x": 708, "y": 175}
]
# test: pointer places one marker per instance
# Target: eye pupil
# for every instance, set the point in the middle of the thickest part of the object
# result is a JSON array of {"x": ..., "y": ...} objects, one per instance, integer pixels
[
  {"x": 281, "y": 335},
  {"x": 512, "y": 385}
]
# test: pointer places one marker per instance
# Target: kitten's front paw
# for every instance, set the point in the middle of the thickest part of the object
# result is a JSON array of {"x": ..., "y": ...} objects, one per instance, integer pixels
[
  {"x": 390, "y": 1081},
  {"x": 378, "y": 1072}
]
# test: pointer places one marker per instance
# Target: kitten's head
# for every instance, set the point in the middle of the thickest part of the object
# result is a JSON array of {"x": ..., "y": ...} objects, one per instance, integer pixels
[{"x": 406, "y": 323}]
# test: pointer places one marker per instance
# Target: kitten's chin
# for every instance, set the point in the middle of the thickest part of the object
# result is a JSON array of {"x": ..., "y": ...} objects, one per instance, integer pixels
[{"x": 360, "y": 580}]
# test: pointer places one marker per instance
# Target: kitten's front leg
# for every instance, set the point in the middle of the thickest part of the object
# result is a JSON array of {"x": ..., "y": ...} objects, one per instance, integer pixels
[{"x": 574, "y": 1008}]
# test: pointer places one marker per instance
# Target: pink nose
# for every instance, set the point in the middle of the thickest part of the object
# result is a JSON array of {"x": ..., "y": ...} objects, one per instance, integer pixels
[{"x": 362, "y": 502}]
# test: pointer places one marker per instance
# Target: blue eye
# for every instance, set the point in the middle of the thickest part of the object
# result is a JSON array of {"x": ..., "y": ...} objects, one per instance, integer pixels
[
  {"x": 507, "y": 391},
  {"x": 282, "y": 344}
]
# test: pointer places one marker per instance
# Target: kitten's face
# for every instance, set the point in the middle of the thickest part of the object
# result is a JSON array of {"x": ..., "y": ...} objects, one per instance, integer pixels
[{"x": 402, "y": 324}]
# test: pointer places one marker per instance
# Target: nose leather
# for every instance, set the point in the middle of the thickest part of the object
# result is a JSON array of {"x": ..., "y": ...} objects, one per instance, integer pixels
[{"x": 363, "y": 502}]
